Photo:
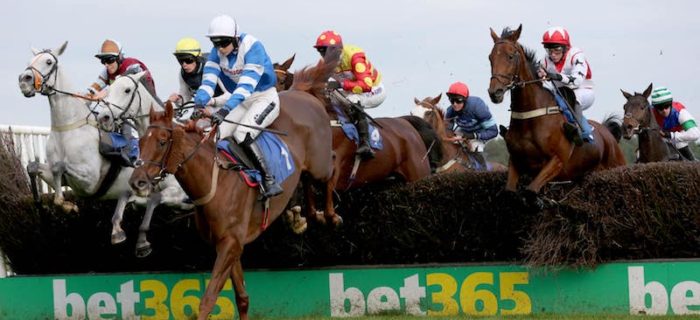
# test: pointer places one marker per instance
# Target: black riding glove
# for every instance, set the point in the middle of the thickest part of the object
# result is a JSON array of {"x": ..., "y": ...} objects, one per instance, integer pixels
[
  {"x": 333, "y": 85},
  {"x": 554, "y": 76},
  {"x": 665, "y": 134},
  {"x": 198, "y": 113},
  {"x": 218, "y": 117},
  {"x": 469, "y": 136}
]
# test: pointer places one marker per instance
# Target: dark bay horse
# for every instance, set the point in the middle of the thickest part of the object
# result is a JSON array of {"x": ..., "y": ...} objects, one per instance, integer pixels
[
  {"x": 455, "y": 157},
  {"x": 405, "y": 154},
  {"x": 229, "y": 214},
  {"x": 640, "y": 120},
  {"x": 535, "y": 139}
]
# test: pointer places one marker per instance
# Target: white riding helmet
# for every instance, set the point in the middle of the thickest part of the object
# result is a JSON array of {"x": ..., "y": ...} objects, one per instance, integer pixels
[{"x": 223, "y": 26}]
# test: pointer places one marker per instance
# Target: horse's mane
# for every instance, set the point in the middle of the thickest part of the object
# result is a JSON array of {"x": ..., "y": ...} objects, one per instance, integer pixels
[
  {"x": 530, "y": 54},
  {"x": 313, "y": 79}
]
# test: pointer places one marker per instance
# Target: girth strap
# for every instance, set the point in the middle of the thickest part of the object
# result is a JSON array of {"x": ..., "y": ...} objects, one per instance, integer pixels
[{"x": 535, "y": 113}]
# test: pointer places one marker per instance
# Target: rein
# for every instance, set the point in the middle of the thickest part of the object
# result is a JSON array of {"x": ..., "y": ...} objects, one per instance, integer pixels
[{"x": 513, "y": 80}]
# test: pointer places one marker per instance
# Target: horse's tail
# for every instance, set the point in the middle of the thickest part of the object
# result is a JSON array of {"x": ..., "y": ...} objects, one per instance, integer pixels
[
  {"x": 313, "y": 79},
  {"x": 430, "y": 139},
  {"x": 614, "y": 125}
]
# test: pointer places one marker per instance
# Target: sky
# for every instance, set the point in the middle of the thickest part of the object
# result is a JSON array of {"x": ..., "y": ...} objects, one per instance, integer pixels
[{"x": 419, "y": 46}]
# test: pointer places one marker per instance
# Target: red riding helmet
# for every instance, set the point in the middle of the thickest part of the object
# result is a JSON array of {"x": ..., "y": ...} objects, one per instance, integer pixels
[
  {"x": 556, "y": 36},
  {"x": 458, "y": 88},
  {"x": 329, "y": 38}
]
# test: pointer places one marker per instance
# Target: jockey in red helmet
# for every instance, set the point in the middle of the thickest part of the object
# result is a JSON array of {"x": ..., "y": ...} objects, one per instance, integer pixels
[
  {"x": 358, "y": 80},
  {"x": 567, "y": 67},
  {"x": 470, "y": 119}
]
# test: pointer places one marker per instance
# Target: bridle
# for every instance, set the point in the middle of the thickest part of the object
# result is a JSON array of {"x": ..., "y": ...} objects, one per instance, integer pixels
[
  {"x": 40, "y": 78},
  {"x": 126, "y": 108},
  {"x": 639, "y": 128},
  {"x": 162, "y": 164},
  {"x": 512, "y": 80}
]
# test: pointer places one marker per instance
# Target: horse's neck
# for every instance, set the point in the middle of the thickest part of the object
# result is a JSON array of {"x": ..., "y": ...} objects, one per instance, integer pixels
[
  {"x": 652, "y": 146},
  {"x": 449, "y": 149},
  {"x": 140, "y": 108},
  {"x": 66, "y": 109},
  {"x": 530, "y": 96}
]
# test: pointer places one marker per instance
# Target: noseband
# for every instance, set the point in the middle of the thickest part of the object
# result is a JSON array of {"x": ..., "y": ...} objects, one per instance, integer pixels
[{"x": 40, "y": 78}]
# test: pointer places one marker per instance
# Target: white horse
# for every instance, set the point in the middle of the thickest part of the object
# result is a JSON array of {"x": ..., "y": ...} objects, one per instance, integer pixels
[{"x": 72, "y": 150}]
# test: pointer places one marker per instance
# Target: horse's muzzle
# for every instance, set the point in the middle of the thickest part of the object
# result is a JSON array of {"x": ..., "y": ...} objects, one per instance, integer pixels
[
  {"x": 140, "y": 186},
  {"x": 497, "y": 95},
  {"x": 26, "y": 84}
]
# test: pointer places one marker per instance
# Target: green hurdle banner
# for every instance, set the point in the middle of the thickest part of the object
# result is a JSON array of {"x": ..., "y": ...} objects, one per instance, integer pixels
[{"x": 658, "y": 288}]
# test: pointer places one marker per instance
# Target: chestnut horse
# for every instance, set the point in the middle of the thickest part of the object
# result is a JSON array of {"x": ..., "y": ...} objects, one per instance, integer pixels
[
  {"x": 229, "y": 214},
  {"x": 640, "y": 120},
  {"x": 404, "y": 155},
  {"x": 456, "y": 158},
  {"x": 535, "y": 139}
]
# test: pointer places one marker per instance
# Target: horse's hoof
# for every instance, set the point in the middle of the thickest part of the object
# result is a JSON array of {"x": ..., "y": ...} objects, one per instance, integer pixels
[
  {"x": 300, "y": 225},
  {"x": 144, "y": 250},
  {"x": 118, "y": 237},
  {"x": 69, "y": 207},
  {"x": 320, "y": 218},
  {"x": 337, "y": 221}
]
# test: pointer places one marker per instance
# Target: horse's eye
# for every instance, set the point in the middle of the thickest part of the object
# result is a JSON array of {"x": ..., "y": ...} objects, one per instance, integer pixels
[
  {"x": 128, "y": 90},
  {"x": 49, "y": 62},
  {"x": 162, "y": 142}
]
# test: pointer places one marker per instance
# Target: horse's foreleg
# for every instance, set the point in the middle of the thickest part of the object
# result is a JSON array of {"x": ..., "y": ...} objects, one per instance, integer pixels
[
  {"x": 330, "y": 208},
  {"x": 549, "y": 172},
  {"x": 143, "y": 247},
  {"x": 228, "y": 250},
  {"x": 310, "y": 198},
  {"x": 513, "y": 177},
  {"x": 118, "y": 234},
  {"x": 58, "y": 169},
  {"x": 242, "y": 298}
]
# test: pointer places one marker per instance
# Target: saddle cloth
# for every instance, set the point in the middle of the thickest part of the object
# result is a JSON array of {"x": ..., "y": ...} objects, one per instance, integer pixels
[{"x": 276, "y": 153}]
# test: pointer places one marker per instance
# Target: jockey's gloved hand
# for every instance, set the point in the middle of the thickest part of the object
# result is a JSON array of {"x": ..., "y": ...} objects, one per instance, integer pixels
[
  {"x": 554, "y": 76},
  {"x": 218, "y": 117},
  {"x": 198, "y": 113},
  {"x": 665, "y": 134},
  {"x": 333, "y": 85},
  {"x": 469, "y": 136}
]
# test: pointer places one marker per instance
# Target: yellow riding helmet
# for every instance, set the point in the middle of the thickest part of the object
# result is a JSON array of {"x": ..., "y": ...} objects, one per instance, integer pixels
[{"x": 188, "y": 46}]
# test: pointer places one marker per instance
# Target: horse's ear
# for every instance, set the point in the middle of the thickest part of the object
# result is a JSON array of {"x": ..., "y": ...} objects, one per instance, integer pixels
[
  {"x": 647, "y": 92},
  {"x": 416, "y": 101},
  {"x": 285, "y": 66},
  {"x": 152, "y": 113},
  {"x": 436, "y": 100},
  {"x": 139, "y": 75},
  {"x": 626, "y": 94},
  {"x": 60, "y": 49},
  {"x": 35, "y": 51},
  {"x": 494, "y": 36},
  {"x": 169, "y": 111},
  {"x": 516, "y": 34}
]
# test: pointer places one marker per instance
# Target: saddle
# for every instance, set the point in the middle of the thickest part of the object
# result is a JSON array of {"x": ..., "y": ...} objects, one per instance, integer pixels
[{"x": 111, "y": 145}]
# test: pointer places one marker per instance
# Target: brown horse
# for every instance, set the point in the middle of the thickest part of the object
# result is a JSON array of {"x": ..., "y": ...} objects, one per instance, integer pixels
[
  {"x": 456, "y": 158},
  {"x": 535, "y": 139},
  {"x": 640, "y": 120},
  {"x": 405, "y": 154},
  {"x": 229, "y": 214}
]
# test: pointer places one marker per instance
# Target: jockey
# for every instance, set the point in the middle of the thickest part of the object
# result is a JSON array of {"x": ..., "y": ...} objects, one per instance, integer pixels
[
  {"x": 189, "y": 56},
  {"x": 243, "y": 66},
  {"x": 470, "y": 119},
  {"x": 568, "y": 68},
  {"x": 676, "y": 122},
  {"x": 112, "y": 57},
  {"x": 359, "y": 81}
]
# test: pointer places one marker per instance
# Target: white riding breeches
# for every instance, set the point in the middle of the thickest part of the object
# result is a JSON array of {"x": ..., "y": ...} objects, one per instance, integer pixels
[
  {"x": 259, "y": 110},
  {"x": 370, "y": 99}
]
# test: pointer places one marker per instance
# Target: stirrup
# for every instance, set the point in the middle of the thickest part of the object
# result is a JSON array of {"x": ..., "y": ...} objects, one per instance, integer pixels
[
  {"x": 365, "y": 151},
  {"x": 572, "y": 133},
  {"x": 270, "y": 187}
]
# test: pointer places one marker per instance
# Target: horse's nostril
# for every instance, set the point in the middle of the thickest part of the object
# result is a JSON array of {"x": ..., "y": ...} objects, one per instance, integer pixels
[
  {"x": 27, "y": 77},
  {"x": 141, "y": 184}
]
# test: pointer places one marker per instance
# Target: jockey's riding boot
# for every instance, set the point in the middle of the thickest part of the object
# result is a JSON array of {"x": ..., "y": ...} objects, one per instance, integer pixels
[
  {"x": 687, "y": 153},
  {"x": 502, "y": 131},
  {"x": 270, "y": 186},
  {"x": 572, "y": 133},
  {"x": 364, "y": 149},
  {"x": 126, "y": 159}
]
